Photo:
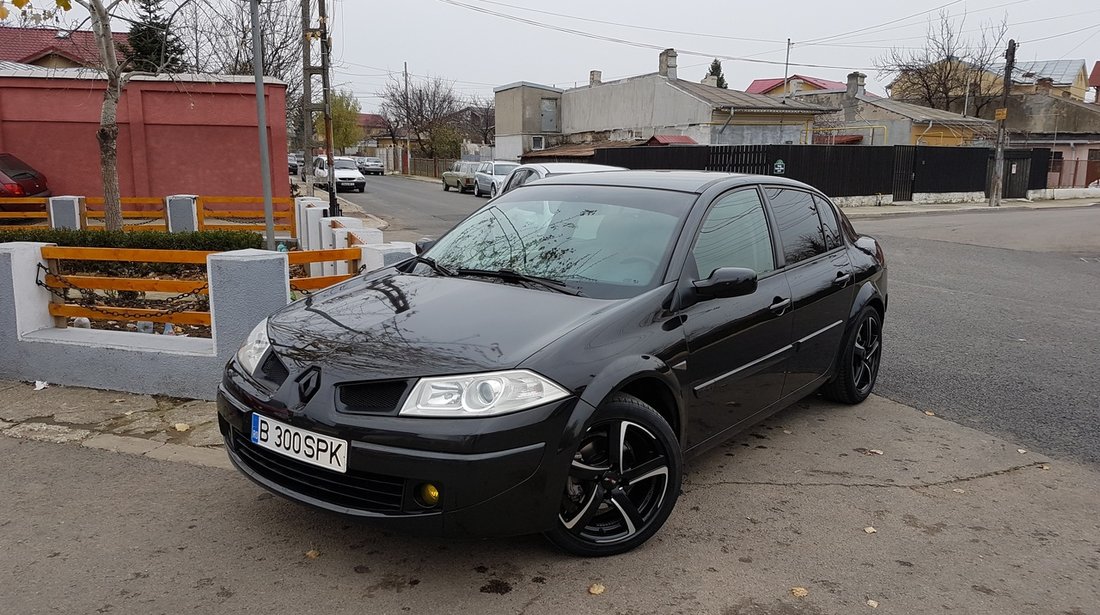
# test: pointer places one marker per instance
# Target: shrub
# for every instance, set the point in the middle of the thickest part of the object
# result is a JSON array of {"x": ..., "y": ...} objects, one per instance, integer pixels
[{"x": 214, "y": 241}]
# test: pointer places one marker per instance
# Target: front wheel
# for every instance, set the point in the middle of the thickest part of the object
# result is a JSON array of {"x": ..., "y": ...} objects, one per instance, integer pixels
[
  {"x": 860, "y": 357},
  {"x": 623, "y": 482},
  {"x": 446, "y": 186},
  {"x": 477, "y": 189}
]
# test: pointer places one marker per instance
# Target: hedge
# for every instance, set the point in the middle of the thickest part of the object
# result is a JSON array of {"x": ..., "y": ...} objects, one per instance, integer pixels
[{"x": 212, "y": 241}]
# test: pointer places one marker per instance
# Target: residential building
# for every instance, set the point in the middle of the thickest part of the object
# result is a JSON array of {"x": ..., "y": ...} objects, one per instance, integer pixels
[
  {"x": 884, "y": 121},
  {"x": 52, "y": 47},
  {"x": 1068, "y": 78},
  {"x": 1094, "y": 82},
  {"x": 956, "y": 87},
  {"x": 793, "y": 84},
  {"x": 532, "y": 117}
]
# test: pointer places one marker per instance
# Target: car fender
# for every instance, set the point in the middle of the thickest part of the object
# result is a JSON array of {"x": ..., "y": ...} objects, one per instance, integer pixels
[{"x": 867, "y": 291}]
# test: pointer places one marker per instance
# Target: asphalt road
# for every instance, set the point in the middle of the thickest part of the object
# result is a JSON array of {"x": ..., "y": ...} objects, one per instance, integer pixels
[
  {"x": 413, "y": 208},
  {"x": 994, "y": 322}
]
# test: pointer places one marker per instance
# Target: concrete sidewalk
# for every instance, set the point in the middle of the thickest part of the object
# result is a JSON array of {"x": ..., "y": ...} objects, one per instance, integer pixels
[
  {"x": 863, "y": 507},
  {"x": 947, "y": 208}
]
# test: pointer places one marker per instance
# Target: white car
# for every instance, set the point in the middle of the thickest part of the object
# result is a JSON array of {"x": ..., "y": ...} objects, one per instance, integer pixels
[
  {"x": 530, "y": 172},
  {"x": 490, "y": 175},
  {"x": 347, "y": 174}
]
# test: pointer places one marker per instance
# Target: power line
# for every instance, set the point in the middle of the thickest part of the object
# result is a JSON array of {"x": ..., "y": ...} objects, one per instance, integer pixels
[{"x": 892, "y": 21}]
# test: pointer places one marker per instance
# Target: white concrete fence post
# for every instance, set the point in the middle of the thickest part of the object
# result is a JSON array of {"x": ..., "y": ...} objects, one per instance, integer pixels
[
  {"x": 66, "y": 212},
  {"x": 245, "y": 286},
  {"x": 24, "y": 306},
  {"x": 181, "y": 213}
]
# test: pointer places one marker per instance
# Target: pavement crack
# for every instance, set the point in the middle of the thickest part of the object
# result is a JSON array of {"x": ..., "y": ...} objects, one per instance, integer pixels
[{"x": 951, "y": 481}]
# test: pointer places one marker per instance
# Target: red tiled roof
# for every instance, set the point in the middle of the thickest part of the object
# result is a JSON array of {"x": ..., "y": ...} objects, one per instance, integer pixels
[
  {"x": 29, "y": 44},
  {"x": 371, "y": 120},
  {"x": 759, "y": 86},
  {"x": 1094, "y": 78},
  {"x": 670, "y": 140}
]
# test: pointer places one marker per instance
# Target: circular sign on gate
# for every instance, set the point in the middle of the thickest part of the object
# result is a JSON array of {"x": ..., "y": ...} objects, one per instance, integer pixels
[{"x": 779, "y": 168}]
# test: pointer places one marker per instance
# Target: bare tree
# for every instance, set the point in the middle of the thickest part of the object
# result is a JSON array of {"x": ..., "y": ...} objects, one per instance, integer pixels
[
  {"x": 480, "y": 119},
  {"x": 427, "y": 110},
  {"x": 950, "y": 68}
]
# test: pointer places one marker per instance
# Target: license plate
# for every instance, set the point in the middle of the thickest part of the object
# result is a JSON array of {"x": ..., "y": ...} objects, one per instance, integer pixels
[
  {"x": 300, "y": 444},
  {"x": 347, "y": 183}
]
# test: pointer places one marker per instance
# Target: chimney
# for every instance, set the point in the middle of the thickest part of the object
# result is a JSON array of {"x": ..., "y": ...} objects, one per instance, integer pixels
[
  {"x": 667, "y": 65},
  {"x": 1044, "y": 85},
  {"x": 711, "y": 80},
  {"x": 856, "y": 81},
  {"x": 595, "y": 77}
]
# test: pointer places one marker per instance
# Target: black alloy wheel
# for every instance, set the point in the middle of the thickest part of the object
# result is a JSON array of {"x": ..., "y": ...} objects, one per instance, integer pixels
[
  {"x": 859, "y": 360},
  {"x": 623, "y": 482}
]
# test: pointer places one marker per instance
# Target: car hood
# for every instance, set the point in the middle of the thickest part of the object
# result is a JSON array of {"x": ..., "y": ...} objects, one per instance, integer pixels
[
  {"x": 346, "y": 173},
  {"x": 400, "y": 326}
]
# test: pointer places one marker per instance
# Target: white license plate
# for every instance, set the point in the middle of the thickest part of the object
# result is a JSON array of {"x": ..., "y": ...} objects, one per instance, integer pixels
[
  {"x": 346, "y": 183},
  {"x": 300, "y": 444}
]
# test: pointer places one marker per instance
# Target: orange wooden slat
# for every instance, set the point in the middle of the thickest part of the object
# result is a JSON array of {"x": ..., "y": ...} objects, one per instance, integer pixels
[
  {"x": 193, "y": 257},
  {"x": 22, "y": 227},
  {"x": 135, "y": 284},
  {"x": 16, "y": 215},
  {"x": 244, "y": 213},
  {"x": 318, "y": 282},
  {"x": 320, "y": 256},
  {"x": 243, "y": 227},
  {"x": 69, "y": 310},
  {"x": 23, "y": 200},
  {"x": 129, "y": 214}
]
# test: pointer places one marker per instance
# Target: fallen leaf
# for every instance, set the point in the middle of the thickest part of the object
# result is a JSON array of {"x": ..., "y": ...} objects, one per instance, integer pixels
[
  {"x": 596, "y": 589},
  {"x": 930, "y": 413},
  {"x": 1021, "y": 450},
  {"x": 870, "y": 530},
  {"x": 957, "y": 490},
  {"x": 1045, "y": 466},
  {"x": 786, "y": 431},
  {"x": 800, "y": 592},
  {"x": 872, "y": 603},
  {"x": 40, "y": 384},
  {"x": 313, "y": 554},
  {"x": 181, "y": 426},
  {"x": 875, "y": 451}
]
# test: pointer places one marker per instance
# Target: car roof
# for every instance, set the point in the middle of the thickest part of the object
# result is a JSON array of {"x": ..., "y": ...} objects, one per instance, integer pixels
[
  {"x": 572, "y": 167},
  {"x": 682, "y": 181}
]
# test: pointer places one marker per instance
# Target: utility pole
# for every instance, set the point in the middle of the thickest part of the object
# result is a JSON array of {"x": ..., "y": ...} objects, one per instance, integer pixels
[
  {"x": 308, "y": 107},
  {"x": 786, "y": 67},
  {"x": 261, "y": 117},
  {"x": 408, "y": 123},
  {"x": 326, "y": 97},
  {"x": 1001, "y": 115}
]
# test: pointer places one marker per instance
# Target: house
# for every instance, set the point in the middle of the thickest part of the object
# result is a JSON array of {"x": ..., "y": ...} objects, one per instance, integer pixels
[
  {"x": 793, "y": 84},
  {"x": 1068, "y": 78},
  {"x": 52, "y": 47},
  {"x": 532, "y": 117},
  {"x": 965, "y": 88},
  {"x": 884, "y": 121},
  {"x": 1094, "y": 82}
]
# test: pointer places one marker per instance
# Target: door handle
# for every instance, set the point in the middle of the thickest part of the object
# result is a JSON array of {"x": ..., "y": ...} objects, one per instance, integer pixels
[
  {"x": 842, "y": 278},
  {"x": 779, "y": 304}
]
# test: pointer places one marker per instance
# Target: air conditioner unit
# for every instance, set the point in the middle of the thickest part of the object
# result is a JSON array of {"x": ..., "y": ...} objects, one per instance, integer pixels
[{"x": 538, "y": 142}]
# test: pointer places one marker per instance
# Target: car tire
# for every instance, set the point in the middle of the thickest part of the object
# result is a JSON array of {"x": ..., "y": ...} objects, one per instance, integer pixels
[
  {"x": 623, "y": 482},
  {"x": 477, "y": 190},
  {"x": 493, "y": 192},
  {"x": 362, "y": 189},
  {"x": 446, "y": 186},
  {"x": 859, "y": 360}
]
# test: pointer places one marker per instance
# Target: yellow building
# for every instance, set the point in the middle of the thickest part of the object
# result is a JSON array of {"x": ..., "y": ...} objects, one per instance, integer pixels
[{"x": 1067, "y": 78}]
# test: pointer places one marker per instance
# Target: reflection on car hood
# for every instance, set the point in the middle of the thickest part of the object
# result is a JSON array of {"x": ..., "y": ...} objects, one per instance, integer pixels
[
  {"x": 400, "y": 326},
  {"x": 347, "y": 173}
]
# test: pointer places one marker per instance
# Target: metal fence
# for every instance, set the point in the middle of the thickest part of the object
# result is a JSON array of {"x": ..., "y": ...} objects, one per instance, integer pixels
[
  {"x": 431, "y": 167},
  {"x": 1073, "y": 173}
]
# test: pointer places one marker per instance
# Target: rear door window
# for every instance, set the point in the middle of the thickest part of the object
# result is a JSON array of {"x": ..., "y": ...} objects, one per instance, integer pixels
[
  {"x": 829, "y": 223},
  {"x": 798, "y": 224}
]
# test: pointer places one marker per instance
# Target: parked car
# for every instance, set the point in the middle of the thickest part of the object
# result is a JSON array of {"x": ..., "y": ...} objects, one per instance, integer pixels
[
  {"x": 346, "y": 172},
  {"x": 490, "y": 175},
  {"x": 531, "y": 172},
  {"x": 18, "y": 179},
  {"x": 460, "y": 176},
  {"x": 547, "y": 365},
  {"x": 370, "y": 165},
  {"x": 292, "y": 164}
]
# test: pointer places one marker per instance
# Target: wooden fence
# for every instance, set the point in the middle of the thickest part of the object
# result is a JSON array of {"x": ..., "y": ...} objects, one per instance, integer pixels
[
  {"x": 10, "y": 209},
  {"x": 61, "y": 309}
]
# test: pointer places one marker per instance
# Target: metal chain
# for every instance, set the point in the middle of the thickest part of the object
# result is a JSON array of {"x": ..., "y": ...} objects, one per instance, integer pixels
[{"x": 88, "y": 298}]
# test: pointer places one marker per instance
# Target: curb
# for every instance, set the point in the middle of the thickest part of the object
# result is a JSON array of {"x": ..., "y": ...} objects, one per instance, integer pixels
[{"x": 856, "y": 213}]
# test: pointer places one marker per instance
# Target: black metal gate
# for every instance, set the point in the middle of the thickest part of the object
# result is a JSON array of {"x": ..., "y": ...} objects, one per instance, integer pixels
[
  {"x": 1017, "y": 174},
  {"x": 904, "y": 155}
]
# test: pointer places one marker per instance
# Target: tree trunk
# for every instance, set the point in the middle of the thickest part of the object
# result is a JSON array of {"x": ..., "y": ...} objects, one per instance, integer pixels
[{"x": 107, "y": 135}]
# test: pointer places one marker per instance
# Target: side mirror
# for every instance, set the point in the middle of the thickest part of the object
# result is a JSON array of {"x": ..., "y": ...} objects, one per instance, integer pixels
[
  {"x": 726, "y": 282},
  {"x": 422, "y": 245}
]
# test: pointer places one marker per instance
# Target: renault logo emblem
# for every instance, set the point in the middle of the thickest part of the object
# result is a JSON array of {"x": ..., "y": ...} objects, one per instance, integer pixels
[{"x": 308, "y": 383}]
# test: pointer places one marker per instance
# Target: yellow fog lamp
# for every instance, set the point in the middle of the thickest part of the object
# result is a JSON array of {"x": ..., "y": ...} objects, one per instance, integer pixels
[{"x": 427, "y": 495}]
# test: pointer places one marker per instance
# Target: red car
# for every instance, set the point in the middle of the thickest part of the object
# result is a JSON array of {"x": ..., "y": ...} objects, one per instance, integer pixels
[{"x": 17, "y": 180}]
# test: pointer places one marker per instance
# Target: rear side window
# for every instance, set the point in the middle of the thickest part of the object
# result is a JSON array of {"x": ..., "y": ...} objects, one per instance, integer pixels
[
  {"x": 828, "y": 223},
  {"x": 798, "y": 222},
  {"x": 14, "y": 167},
  {"x": 734, "y": 234}
]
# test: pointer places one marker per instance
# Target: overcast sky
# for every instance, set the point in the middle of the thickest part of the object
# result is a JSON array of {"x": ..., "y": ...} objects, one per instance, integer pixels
[{"x": 478, "y": 51}]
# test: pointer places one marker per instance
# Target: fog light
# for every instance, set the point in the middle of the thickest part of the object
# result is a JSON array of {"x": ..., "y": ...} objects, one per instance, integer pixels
[{"x": 427, "y": 494}]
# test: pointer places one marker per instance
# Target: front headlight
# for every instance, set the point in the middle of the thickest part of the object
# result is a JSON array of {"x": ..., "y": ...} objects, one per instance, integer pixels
[
  {"x": 254, "y": 348},
  {"x": 487, "y": 394}
]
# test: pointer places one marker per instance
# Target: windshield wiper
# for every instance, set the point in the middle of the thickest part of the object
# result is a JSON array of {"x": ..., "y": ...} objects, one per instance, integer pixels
[
  {"x": 436, "y": 267},
  {"x": 511, "y": 275}
]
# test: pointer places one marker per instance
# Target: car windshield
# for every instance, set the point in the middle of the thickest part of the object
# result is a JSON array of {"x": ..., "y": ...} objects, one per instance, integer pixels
[
  {"x": 503, "y": 169},
  {"x": 345, "y": 164},
  {"x": 373, "y": 160},
  {"x": 605, "y": 242}
]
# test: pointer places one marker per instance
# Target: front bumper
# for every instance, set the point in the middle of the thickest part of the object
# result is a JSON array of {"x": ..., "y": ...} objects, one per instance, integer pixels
[{"x": 497, "y": 476}]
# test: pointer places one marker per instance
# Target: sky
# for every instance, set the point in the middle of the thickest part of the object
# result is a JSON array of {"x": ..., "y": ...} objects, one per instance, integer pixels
[{"x": 458, "y": 41}]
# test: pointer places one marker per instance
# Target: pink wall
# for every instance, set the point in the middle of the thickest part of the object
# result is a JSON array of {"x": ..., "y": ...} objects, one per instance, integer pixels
[{"x": 174, "y": 137}]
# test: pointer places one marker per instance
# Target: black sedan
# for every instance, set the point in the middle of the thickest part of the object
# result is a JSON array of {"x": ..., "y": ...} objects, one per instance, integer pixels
[{"x": 547, "y": 365}]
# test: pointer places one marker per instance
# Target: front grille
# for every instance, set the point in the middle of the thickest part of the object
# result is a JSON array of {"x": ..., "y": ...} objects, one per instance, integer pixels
[
  {"x": 357, "y": 490},
  {"x": 372, "y": 397},
  {"x": 273, "y": 370}
]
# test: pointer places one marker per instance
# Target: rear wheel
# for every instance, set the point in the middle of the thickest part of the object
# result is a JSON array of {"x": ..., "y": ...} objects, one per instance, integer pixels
[
  {"x": 859, "y": 360},
  {"x": 623, "y": 482},
  {"x": 446, "y": 186}
]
